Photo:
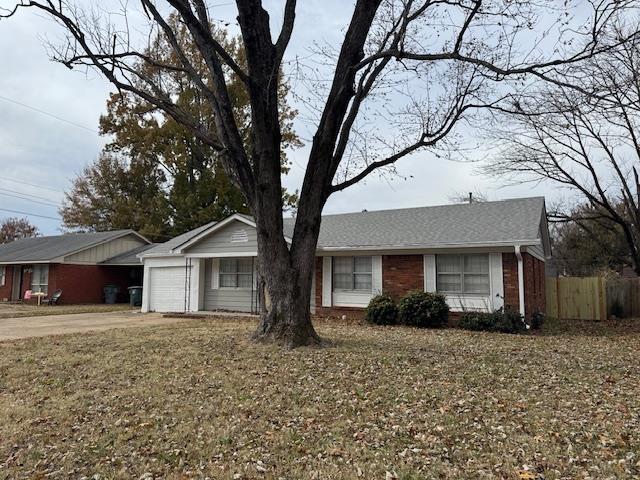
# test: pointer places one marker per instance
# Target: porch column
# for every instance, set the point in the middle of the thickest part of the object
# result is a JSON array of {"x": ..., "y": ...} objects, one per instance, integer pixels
[
  {"x": 196, "y": 290},
  {"x": 520, "y": 279}
]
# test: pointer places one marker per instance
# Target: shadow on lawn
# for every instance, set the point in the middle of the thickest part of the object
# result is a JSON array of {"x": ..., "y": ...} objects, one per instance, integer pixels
[{"x": 605, "y": 328}]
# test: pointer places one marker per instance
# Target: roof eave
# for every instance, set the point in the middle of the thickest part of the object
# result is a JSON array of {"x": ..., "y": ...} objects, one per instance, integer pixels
[{"x": 425, "y": 246}]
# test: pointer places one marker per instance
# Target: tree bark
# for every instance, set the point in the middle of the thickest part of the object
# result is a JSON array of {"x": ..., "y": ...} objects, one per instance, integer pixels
[{"x": 285, "y": 316}]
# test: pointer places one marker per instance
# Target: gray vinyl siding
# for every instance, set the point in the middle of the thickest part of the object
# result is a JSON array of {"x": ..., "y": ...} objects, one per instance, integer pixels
[
  {"x": 106, "y": 250},
  {"x": 536, "y": 250},
  {"x": 220, "y": 241},
  {"x": 232, "y": 299}
]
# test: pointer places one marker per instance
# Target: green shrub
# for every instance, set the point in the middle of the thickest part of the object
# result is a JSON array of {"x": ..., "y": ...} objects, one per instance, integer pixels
[
  {"x": 617, "y": 310},
  {"x": 502, "y": 320},
  {"x": 537, "y": 320},
  {"x": 423, "y": 309},
  {"x": 382, "y": 310}
]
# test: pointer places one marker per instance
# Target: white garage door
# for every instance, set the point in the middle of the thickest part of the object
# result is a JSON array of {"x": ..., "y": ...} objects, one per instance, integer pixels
[{"x": 167, "y": 289}]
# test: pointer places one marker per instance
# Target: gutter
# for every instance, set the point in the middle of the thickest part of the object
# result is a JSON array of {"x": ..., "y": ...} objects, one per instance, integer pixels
[{"x": 520, "y": 279}]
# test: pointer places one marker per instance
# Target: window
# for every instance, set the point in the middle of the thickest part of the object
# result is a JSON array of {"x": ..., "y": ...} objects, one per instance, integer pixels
[
  {"x": 463, "y": 273},
  {"x": 40, "y": 279},
  {"x": 352, "y": 273},
  {"x": 236, "y": 272},
  {"x": 3, "y": 274}
]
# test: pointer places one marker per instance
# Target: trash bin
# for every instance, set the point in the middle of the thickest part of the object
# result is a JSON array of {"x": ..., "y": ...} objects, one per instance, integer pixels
[
  {"x": 135, "y": 296},
  {"x": 110, "y": 293}
]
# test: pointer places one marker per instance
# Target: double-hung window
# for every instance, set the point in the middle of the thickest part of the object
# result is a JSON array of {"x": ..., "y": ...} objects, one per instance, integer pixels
[
  {"x": 236, "y": 272},
  {"x": 352, "y": 273},
  {"x": 40, "y": 278},
  {"x": 3, "y": 276},
  {"x": 463, "y": 274}
]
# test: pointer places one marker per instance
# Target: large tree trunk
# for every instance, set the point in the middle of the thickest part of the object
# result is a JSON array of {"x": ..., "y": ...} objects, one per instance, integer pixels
[{"x": 286, "y": 280}]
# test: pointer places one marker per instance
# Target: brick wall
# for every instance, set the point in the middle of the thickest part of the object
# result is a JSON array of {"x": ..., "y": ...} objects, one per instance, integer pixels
[
  {"x": 510, "y": 280},
  {"x": 402, "y": 274},
  {"x": 534, "y": 285},
  {"x": 84, "y": 283},
  {"x": 5, "y": 290}
]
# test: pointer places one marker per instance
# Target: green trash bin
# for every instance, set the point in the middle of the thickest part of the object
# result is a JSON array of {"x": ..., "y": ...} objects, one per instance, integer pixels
[
  {"x": 111, "y": 294},
  {"x": 135, "y": 296}
]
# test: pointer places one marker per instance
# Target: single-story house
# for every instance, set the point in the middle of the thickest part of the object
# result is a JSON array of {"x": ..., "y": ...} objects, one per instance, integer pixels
[
  {"x": 80, "y": 264},
  {"x": 480, "y": 255}
]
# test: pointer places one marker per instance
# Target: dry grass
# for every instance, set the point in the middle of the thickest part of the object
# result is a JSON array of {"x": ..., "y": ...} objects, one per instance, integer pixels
[
  {"x": 197, "y": 400},
  {"x": 19, "y": 310}
]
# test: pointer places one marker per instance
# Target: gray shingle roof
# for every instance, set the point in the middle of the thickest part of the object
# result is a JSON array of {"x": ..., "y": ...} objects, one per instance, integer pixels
[
  {"x": 130, "y": 257},
  {"x": 166, "y": 247},
  {"x": 45, "y": 249},
  {"x": 504, "y": 221},
  {"x": 475, "y": 223}
]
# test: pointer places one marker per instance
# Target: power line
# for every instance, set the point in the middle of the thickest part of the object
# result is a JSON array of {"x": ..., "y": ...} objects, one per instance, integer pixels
[
  {"x": 25, "y": 194},
  {"x": 15, "y": 180},
  {"x": 48, "y": 204},
  {"x": 52, "y": 115},
  {"x": 30, "y": 214}
]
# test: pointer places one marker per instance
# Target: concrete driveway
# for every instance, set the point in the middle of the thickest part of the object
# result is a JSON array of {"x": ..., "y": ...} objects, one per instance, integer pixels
[{"x": 15, "y": 328}]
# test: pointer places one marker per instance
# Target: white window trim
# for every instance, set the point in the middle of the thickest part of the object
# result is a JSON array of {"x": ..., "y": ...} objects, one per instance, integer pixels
[
  {"x": 462, "y": 274},
  {"x": 494, "y": 300},
  {"x": 236, "y": 273},
  {"x": 353, "y": 275},
  {"x": 3, "y": 275},
  {"x": 40, "y": 285}
]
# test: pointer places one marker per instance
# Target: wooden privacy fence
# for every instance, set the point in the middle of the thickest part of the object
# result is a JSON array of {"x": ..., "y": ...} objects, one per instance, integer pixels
[{"x": 592, "y": 298}]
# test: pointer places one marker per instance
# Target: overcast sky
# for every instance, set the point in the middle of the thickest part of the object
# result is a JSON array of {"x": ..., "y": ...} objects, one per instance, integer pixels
[{"x": 41, "y": 153}]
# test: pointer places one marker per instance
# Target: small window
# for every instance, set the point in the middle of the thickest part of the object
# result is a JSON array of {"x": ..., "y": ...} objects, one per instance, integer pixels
[
  {"x": 40, "y": 279},
  {"x": 3, "y": 275},
  {"x": 236, "y": 272},
  {"x": 352, "y": 273},
  {"x": 463, "y": 274}
]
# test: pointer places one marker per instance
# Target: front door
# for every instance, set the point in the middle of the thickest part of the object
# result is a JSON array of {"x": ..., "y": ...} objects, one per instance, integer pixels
[{"x": 16, "y": 285}]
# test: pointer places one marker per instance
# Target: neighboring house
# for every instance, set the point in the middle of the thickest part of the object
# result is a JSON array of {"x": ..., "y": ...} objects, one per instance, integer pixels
[
  {"x": 80, "y": 264},
  {"x": 480, "y": 255}
]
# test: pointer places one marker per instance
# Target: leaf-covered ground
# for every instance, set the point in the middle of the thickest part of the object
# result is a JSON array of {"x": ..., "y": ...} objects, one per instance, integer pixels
[
  {"x": 197, "y": 400},
  {"x": 19, "y": 310}
]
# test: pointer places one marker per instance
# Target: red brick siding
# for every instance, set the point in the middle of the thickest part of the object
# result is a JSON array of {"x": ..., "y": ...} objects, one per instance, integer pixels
[
  {"x": 84, "y": 283},
  {"x": 26, "y": 280},
  {"x": 534, "y": 285},
  {"x": 510, "y": 280},
  {"x": 318, "y": 291},
  {"x": 402, "y": 274},
  {"x": 5, "y": 290}
]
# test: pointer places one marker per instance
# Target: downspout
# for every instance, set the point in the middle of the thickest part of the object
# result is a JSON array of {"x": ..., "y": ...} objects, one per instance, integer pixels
[{"x": 520, "y": 279}]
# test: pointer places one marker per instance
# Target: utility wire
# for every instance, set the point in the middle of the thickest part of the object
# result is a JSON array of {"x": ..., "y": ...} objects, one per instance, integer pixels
[
  {"x": 25, "y": 194},
  {"x": 22, "y": 182},
  {"x": 43, "y": 112},
  {"x": 48, "y": 204},
  {"x": 30, "y": 214}
]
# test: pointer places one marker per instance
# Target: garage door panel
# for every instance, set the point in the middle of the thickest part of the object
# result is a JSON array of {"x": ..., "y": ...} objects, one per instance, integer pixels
[{"x": 167, "y": 292}]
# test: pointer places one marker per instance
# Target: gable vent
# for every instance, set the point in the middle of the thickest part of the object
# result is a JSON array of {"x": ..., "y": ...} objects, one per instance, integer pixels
[{"x": 239, "y": 236}]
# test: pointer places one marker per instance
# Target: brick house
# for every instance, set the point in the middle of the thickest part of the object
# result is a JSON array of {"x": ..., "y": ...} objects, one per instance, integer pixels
[
  {"x": 481, "y": 256},
  {"x": 78, "y": 264}
]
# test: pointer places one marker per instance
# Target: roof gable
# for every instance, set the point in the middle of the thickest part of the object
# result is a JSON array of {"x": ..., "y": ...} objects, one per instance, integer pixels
[{"x": 55, "y": 248}]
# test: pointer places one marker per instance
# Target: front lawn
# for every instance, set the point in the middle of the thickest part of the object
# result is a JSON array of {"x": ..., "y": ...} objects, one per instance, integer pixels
[
  {"x": 20, "y": 310},
  {"x": 197, "y": 400}
]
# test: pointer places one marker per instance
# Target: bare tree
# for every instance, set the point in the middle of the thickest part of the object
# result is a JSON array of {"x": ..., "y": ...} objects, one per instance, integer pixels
[
  {"x": 587, "y": 143},
  {"x": 14, "y": 228},
  {"x": 446, "y": 59}
]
